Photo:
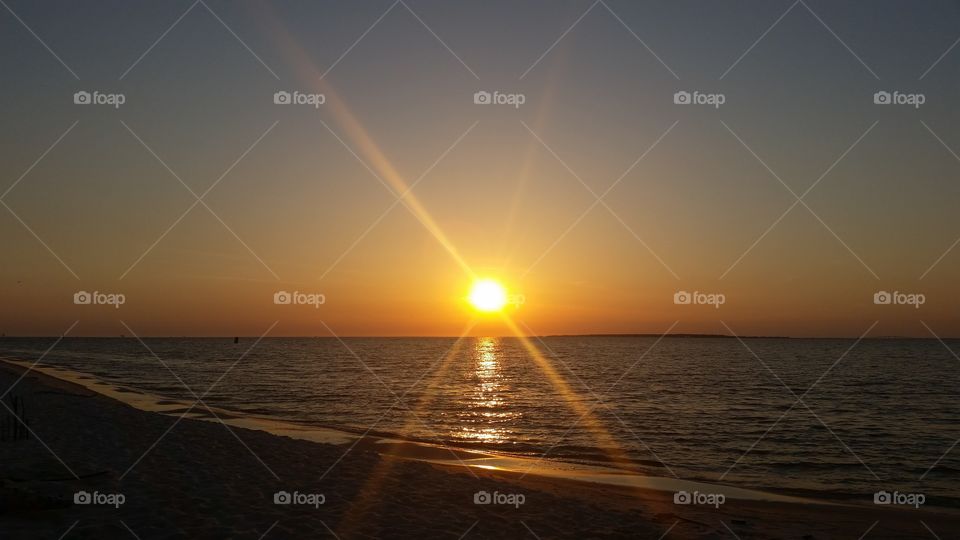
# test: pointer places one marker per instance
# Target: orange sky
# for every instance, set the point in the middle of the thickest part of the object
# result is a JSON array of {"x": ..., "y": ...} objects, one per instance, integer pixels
[{"x": 305, "y": 199}]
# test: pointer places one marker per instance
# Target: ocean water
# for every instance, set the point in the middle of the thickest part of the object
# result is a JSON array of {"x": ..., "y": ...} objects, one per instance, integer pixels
[{"x": 826, "y": 416}]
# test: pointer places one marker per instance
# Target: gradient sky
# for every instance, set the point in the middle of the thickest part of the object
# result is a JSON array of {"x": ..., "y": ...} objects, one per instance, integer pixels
[{"x": 399, "y": 99}]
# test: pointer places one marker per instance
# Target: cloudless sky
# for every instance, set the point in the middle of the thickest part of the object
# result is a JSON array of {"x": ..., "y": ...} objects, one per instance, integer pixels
[{"x": 511, "y": 191}]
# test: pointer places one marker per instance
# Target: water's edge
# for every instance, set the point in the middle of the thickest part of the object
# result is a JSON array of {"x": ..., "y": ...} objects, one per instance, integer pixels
[{"x": 404, "y": 449}]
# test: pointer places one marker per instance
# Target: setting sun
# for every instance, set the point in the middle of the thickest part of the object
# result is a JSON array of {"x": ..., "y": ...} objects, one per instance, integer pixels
[{"x": 488, "y": 295}]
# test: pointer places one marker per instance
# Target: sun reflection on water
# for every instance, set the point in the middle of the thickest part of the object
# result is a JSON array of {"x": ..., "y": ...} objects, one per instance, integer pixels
[{"x": 487, "y": 407}]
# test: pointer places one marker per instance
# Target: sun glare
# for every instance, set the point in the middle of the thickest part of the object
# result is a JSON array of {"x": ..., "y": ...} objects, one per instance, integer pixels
[{"x": 488, "y": 295}]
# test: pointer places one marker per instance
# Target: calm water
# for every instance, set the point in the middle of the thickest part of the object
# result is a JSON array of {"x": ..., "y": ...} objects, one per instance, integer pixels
[{"x": 880, "y": 419}]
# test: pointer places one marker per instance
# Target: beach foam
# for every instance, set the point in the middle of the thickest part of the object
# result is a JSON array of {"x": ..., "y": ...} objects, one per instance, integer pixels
[{"x": 412, "y": 450}]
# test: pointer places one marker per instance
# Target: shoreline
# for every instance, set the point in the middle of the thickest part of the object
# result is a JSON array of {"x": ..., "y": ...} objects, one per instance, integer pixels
[
  {"x": 424, "y": 451},
  {"x": 365, "y": 488}
]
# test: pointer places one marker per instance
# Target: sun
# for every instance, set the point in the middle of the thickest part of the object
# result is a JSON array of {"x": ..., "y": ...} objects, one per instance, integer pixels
[{"x": 488, "y": 295}]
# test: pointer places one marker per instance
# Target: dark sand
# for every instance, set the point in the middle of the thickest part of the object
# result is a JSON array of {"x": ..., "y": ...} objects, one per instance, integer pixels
[{"x": 202, "y": 481}]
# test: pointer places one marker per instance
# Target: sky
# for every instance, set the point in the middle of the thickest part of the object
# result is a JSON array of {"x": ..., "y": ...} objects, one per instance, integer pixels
[{"x": 693, "y": 198}]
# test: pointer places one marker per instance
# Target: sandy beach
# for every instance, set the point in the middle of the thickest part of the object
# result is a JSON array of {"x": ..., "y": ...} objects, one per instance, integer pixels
[{"x": 202, "y": 481}]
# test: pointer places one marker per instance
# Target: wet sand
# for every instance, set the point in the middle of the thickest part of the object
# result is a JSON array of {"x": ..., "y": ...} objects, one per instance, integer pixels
[{"x": 195, "y": 478}]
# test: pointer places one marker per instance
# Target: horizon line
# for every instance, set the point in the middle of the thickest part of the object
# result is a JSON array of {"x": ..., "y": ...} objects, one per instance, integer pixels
[{"x": 412, "y": 336}]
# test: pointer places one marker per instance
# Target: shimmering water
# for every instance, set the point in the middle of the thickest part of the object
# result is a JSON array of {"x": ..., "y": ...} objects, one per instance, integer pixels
[{"x": 878, "y": 414}]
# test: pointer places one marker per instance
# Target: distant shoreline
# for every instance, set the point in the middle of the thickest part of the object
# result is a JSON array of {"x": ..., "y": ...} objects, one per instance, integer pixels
[{"x": 616, "y": 335}]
